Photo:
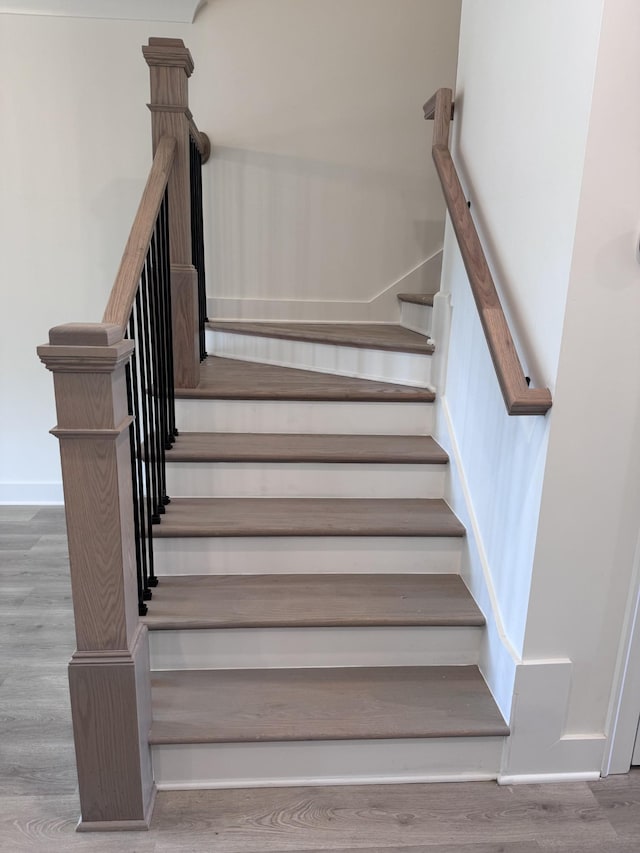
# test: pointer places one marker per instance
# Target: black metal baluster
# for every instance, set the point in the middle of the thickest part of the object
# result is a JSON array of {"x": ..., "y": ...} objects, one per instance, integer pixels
[
  {"x": 144, "y": 552},
  {"x": 140, "y": 556},
  {"x": 157, "y": 377},
  {"x": 165, "y": 340},
  {"x": 171, "y": 397},
  {"x": 142, "y": 341},
  {"x": 151, "y": 399},
  {"x": 197, "y": 238}
]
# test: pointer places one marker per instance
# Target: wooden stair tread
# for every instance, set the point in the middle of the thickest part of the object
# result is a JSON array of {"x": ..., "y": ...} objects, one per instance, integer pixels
[
  {"x": 417, "y": 298},
  {"x": 292, "y": 601},
  {"x": 380, "y": 336},
  {"x": 217, "y": 706},
  {"x": 308, "y": 517},
  {"x": 279, "y": 447},
  {"x": 230, "y": 379}
]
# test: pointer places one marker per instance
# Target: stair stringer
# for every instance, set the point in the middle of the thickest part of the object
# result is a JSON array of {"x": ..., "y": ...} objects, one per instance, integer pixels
[{"x": 532, "y": 695}]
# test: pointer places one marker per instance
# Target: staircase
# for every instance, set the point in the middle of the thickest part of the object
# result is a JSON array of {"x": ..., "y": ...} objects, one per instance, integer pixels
[{"x": 310, "y": 625}]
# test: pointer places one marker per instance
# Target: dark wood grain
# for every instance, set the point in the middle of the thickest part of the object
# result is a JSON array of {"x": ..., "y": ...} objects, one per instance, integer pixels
[
  {"x": 228, "y": 379},
  {"x": 213, "y": 706},
  {"x": 265, "y": 447},
  {"x": 380, "y": 336},
  {"x": 257, "y": 601},
  {"x": 308, "y": 517}
]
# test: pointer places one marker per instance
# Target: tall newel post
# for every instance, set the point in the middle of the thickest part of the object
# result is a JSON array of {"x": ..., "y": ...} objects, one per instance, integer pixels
[
  {"x": 109, "y": 672},
  {"x": 171, "y": 65}
]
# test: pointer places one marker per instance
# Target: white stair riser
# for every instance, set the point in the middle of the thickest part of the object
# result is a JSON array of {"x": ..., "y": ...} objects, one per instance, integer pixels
[
  {"x": 418, "y": 318},
  {"x": 331, "y": 418},
  {"x": 306, "y": 555},
  {"x": 253, "y": 648},
  {"x": 347, "y": 762},
  {"x": 305, "y": 480},
  {"x": 382, "y": 365}
]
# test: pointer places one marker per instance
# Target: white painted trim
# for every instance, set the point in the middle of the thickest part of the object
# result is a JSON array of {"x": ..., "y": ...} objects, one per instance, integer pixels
[
  {"x": 28, "y": 494},
  {"x": 382, "y": 307},
  {"x": 307, "y": 555},
  {"x": 282, "y": 648},
  {"x": 327, "y": 781},
  {"x": 498, "y": 658},
  {"x": 456, "y": 457},
  {"x": 538, "y": 744},
  {"x": 344, "y": 762},
  {"x": 290, "y": 416},
  {"x": 174, "y": 11},
  {"x": 624, "y": 710},
  {"x": 305, "y": 480},
  {"x": 544, "y": 778}
]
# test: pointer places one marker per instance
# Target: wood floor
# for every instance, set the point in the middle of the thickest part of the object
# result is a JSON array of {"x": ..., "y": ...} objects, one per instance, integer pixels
[{"x": 38, "y": 797}]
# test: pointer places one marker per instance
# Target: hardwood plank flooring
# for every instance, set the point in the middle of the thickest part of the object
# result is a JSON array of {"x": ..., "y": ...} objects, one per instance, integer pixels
[
  {"x": 218, "y": 706},
  {"x": 280, "y": 447},
  {"x": 228, "y": 379},
  {"x": 287, "y": 601},
  {"x": 41, "y": 815},
  {"x": 308, "y": 517},
  {"x": 380, "y": 336}
]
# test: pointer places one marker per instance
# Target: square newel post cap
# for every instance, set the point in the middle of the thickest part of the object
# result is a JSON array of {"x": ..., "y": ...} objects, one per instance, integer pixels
[
  {"x": 85, "y": 348},
  {"x": 170, "y": 53}
]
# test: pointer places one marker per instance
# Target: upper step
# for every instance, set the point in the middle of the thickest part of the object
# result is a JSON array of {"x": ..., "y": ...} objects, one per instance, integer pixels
[
  {"x": 228, "y": 379},
  {"x": 189, "y": 517},
  {"x": 296, "y": 601},
  {"x": 283, "y": 447},
  {"x": 214, "y": 706},
  {"x": 375, "y": 336}
]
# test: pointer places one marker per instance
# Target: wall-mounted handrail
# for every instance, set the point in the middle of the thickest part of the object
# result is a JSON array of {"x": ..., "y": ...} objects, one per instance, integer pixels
[
  {"x": 519, "y": 398},
  {"x": 125, "y": 286}
]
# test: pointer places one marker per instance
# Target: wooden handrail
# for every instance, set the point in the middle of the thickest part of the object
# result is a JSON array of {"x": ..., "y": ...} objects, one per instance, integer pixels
[
  {"x": 123, "y": 292},
  {"x": 519, "y": 398}
]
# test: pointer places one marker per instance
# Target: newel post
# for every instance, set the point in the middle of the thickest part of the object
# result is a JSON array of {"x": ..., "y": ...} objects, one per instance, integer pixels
[
  {"x": 171, "y": 65},
  {"x": 109, "y": 672}
]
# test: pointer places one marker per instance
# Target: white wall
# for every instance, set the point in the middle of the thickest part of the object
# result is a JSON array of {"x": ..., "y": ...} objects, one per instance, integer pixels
[
  {"x": 75, "y": 147},
  {"x": 320, "y": 185},
  {"x": 590, "y": 513},
  {"x": 320, "y": 173},
  {"x": 523, "y": 95}
]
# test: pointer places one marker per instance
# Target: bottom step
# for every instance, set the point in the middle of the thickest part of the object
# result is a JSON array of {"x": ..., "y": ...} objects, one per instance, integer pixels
[
  {"x": 323, "y": 703},
  {"x": 226, "y": 728}
]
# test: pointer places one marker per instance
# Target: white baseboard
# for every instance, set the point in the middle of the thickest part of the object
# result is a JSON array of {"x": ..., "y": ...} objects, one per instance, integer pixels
[
  {"x": 31, "y": 494},
  {"x": 545, "y": 778}
]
